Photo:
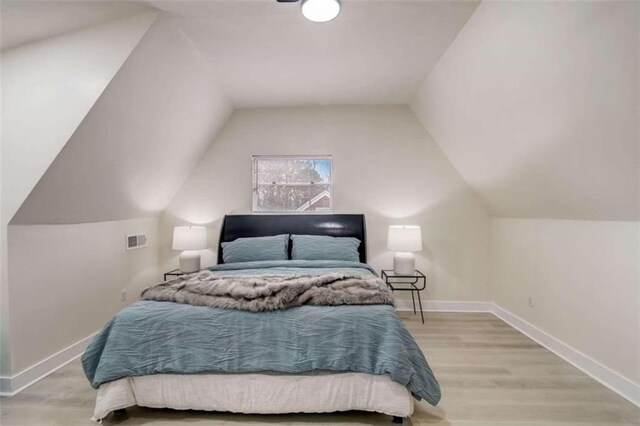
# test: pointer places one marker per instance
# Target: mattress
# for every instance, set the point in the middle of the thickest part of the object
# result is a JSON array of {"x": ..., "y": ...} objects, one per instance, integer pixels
[{"x": 318, "y": 392}]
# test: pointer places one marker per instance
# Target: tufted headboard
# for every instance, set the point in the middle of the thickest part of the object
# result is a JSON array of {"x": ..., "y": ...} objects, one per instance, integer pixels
[{"x": 334, "y": 225}]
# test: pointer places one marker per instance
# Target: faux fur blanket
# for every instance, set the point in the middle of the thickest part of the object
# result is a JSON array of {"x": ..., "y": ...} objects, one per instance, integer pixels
[{"x": 257, "y": 293}]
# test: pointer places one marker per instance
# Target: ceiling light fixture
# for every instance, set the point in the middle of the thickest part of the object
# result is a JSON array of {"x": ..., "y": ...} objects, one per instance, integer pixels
[{"x": 320, "y": 10}]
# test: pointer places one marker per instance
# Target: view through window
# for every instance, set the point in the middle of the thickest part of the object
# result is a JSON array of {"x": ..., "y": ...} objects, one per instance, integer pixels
[{"x": 292, "y": 184}]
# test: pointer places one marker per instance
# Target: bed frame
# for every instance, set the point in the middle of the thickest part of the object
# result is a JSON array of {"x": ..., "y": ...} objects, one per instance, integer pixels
[{"x": 259, "y": 225}]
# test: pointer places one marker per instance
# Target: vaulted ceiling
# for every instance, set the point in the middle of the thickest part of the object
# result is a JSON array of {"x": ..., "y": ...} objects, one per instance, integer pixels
[
  {"x": 48, "y": 89},
  {"x": 536, "y": 104},
  {"x": 140, "y": 140},
  {"x": 28, "y": 21},
  {"x": 267, "y": 54}
]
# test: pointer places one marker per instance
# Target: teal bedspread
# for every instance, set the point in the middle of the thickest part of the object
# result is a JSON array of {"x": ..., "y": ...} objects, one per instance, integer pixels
[{"x": 151, "y": 337}]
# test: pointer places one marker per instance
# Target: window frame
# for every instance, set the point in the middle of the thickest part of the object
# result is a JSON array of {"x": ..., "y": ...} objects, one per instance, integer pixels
[{"x": 254, "y": 182}]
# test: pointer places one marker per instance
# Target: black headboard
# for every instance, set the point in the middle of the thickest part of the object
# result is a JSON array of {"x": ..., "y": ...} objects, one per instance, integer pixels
[{"x": 335, "y": 225}]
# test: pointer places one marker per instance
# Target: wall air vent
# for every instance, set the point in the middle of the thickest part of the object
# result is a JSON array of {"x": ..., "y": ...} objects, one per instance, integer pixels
[{"x": 136, "y": 241}]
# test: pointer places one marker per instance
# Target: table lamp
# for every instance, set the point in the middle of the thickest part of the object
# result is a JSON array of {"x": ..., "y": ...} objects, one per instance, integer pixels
[
  {"x": 189, "y": 239},
  {"x": 404, "y": 240}
]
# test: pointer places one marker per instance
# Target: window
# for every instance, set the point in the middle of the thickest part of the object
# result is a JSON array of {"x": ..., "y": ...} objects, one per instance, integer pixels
[{"x": 292, "y": 184}]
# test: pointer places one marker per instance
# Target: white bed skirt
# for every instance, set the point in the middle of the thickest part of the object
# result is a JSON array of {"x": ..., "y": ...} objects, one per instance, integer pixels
[{"x": 257, "y": 393}]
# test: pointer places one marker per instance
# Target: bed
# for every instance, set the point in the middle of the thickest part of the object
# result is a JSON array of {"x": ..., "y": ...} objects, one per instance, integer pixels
[{"x": 309, "y": 358}]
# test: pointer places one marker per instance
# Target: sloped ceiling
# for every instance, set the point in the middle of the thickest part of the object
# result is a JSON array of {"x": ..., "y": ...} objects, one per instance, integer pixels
[
  {"x": 537, "y": 106},
  {"x": 376, "y": 52},
  {"x": 535, "y": 103},
  {"x": 163, "y": 108},
  {"x": 47, "y": 90},
  {"x": 29, "y": 21},
  {"x": 139, "y": 141}
]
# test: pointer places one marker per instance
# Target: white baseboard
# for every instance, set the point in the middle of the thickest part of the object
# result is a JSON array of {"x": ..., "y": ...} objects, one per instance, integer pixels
[
  {"x": 9, "y": 386},
  {"x": 614, "y": 381},
  {"x": 445, "y": 306}
]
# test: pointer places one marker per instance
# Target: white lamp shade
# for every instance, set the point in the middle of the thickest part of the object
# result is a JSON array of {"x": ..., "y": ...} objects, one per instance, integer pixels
[
  {"x": 189, "y": 238},
  {"x": 404, "y": 238}
]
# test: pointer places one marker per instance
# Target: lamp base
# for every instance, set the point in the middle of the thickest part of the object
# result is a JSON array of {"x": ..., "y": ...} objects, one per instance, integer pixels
[
  {"x": 189, "y": 261},
  {"x": 404, "y": 263}
]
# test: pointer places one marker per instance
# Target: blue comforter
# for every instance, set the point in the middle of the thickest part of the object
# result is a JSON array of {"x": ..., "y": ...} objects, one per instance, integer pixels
[{"x": 151, "y": 337}]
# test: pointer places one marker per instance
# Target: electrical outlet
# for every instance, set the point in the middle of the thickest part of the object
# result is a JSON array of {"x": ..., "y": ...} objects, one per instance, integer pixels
[
  {"x": 530, "y": 301},
  {"x": 123, "y": 296}
]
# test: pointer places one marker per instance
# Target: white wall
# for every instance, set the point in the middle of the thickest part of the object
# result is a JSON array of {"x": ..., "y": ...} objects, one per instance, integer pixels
[
  {"x": 385, "y": 165},
  {"x": 5, "y": 332},
  {"x": 129, "y": 154},
  {"x": 584, "y": 278},
  {"x": 5, "y": 361},
  {"x": 47, "y": 89},
  {"x": 536, "y": 104},
  {"x": 66, "y": 281}
]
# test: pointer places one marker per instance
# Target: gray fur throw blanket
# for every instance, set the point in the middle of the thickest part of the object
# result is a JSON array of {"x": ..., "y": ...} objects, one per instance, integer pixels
[{"x": 258, "y": 293}]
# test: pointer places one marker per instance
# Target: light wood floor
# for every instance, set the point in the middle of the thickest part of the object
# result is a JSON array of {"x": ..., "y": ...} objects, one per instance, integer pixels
[{"x": 490, "y": 375}]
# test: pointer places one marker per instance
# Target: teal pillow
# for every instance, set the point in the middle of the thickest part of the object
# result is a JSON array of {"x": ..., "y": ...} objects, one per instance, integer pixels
[
  {"x": 322, "y": 247},
  {"x": 258, "y": 248}
]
